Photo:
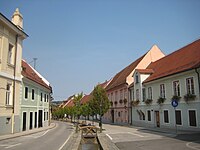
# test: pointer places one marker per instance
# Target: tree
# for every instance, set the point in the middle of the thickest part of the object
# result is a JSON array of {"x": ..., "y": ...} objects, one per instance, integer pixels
[
  {"x": 99, "y": 102},
  {"x": 85, "y": 110},
  {"x": 77, "y": 107}
]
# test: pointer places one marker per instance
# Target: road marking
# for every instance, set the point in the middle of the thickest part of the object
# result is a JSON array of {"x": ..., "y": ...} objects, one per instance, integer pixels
[
  {"x": 13, "y": 145},
  {"x": 109, "y": 137},
  {"x": 65, "y": 141},
  {"x": 41, "y": 135},
  {"x": 192, "y": 147},
  {"x": 136, "y": 134},
  {"x": 129, "y": 133}
]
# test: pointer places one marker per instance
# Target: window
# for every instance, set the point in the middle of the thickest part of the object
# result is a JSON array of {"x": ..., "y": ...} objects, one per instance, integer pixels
[
  {"x": 118, "y": 114},
  {"x": 192, "y": 118},
  {"x": 8, "y": 94},
  {"x": 149, "y": 93},
  {"x": 178, "y": 117},
  {"x": 137, "y": 94},
  {"x": 166, "y": 116},
  {"x": 33, "y": 94},
  {"x": 190, "y": 85},
  {"x": 162, "y": 90},
  {"x": 143, "y": 94},
  {"x": 26, "y": 93},
  {"x": 10, "y": 54},
  {"x": 41, "y": 95},
  {"x": 47, "y": 98},
  {"x": 136, "y": 78},
  {"x": 176, "y": 88},
  {"x": 149, "y": 115}
]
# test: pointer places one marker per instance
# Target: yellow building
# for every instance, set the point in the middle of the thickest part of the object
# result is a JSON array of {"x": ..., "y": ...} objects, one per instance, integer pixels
[{"x": 11, "y": 38}]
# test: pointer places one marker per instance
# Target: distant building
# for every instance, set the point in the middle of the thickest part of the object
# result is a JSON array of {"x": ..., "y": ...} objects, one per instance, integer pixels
[
  {"x": 174, "y": 77},
  {"x": 11, "y": 38},
  {"x": 117, "y": 89},
  {"x": 35, "y": 99}
]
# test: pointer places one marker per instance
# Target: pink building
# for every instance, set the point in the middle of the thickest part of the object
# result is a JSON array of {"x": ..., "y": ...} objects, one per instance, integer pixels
[{"x": 117, "y": 89}]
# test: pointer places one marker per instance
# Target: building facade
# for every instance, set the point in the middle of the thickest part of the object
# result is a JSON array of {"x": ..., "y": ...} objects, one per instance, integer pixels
[
  {"x": 11, "y": 39},
  {"x": 35, "y": 101},
  {"x": 172, "y": 78},
  {"x": 117, "y": 89}
]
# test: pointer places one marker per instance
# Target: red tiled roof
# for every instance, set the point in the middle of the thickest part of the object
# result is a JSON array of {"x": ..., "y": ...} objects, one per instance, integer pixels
[
  {"x": 85, "y": 99},
  {"x": 181, "y": 60},
  {"x": 30, "y": 73},
  {"x": 70, "y": 103},
  {"x": 120, "y": 78},
  {"x": 145, "y": 71}
]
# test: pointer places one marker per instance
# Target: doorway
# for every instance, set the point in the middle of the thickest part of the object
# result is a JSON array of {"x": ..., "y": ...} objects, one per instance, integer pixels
[
  {"x": 24, "y": 122},
  {"x": 112, "y": 115},
  {"x": 157, "y": 118},
  {"x": 40, "y": 118},
  {"x": 31, "y": 121},
  {"x": 35, "y": 119}
]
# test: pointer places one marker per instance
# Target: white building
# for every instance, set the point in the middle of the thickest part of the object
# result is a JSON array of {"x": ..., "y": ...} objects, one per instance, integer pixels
[{"x": 176, "y": 76}]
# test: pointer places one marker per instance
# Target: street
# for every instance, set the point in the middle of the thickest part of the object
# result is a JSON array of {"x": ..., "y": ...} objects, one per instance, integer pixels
[
  {"x": 127, "y": 138},
  {"x": 53, "y": 139}
]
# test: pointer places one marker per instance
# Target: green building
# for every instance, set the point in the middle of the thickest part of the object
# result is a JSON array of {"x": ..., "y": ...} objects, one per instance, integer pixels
[{"x": 35, "y": 99}]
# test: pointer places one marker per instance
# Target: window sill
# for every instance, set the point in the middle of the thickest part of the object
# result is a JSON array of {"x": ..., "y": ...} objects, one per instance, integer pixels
[{"x": 9, "y": 106}]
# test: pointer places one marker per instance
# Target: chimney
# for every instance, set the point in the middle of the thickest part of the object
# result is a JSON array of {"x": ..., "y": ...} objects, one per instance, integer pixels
[{"x": 17, "y": 19}]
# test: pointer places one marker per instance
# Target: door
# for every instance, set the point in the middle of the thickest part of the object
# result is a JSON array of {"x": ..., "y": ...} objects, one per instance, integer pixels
[
  {"x": 112, "y": 115},
  {"x": 31, "y": 121},
  {"x": 24, "y": 122},
  {"x": 157, "y": 118},
  {"x": 35, "y": 119},
  {"x": 40, "y": 118}
]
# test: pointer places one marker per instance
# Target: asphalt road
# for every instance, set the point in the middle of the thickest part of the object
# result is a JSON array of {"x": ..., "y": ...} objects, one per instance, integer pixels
[
  {"x": 53, "y": 139},
  {"x": 133, "y": 139}
]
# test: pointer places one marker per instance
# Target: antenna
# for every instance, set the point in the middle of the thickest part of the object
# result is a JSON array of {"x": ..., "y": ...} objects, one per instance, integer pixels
[{"x": 34, "y": 62}]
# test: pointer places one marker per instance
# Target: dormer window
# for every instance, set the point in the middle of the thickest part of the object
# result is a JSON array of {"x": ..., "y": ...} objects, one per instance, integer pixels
[{"x": 136, "y": 78}]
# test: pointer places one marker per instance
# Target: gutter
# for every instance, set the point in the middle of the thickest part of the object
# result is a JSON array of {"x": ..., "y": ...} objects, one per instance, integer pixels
[
  {"x": 198, "y": 79},
  {"x": 14, "y": 96}
]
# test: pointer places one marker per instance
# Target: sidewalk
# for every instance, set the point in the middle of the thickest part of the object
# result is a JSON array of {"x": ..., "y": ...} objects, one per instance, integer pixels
[{"x": 10, "y": 136}]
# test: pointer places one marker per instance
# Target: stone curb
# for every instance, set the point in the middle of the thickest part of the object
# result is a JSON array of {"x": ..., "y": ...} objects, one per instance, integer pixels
[
  {"x": 74, "y": 142},
  {"x": 106, "y": 143},
  {"x": 11, "y": 136}
]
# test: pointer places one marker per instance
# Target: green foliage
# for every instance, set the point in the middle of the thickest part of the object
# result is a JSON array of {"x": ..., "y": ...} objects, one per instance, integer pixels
[
  {"x": 99, "y": 103},
  {"x": 161, "y": 100},
  {"x": 77, "y": 104},
  {"x": 189, "y": 97}
]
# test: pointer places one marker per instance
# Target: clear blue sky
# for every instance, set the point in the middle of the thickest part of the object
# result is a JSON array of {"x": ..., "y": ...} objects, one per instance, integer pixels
[{"x": 79, "y": 43}]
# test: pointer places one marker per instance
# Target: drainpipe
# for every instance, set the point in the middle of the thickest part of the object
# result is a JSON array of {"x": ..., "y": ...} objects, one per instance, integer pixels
[
  {"x": 198, "y": 79},
  {"x": 15, "y": 61}
]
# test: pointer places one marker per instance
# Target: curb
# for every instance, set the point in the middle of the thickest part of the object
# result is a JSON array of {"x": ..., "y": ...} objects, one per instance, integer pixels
[
  {"x": 19, "y": 134},
  {"x": 106, "y": 143}
]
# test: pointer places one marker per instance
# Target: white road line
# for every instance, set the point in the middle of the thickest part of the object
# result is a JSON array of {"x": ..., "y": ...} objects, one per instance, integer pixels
[
  {"x": 129, "y": 133},
  {"x": 41, "y": 135},
  {"x": 192, "y": 147},
  {"x": 109, "y": 137},
  {"x": 65, "y": 141},
  {"x": 13, "y": 145},
  {"x": 136, "y": 134}
]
